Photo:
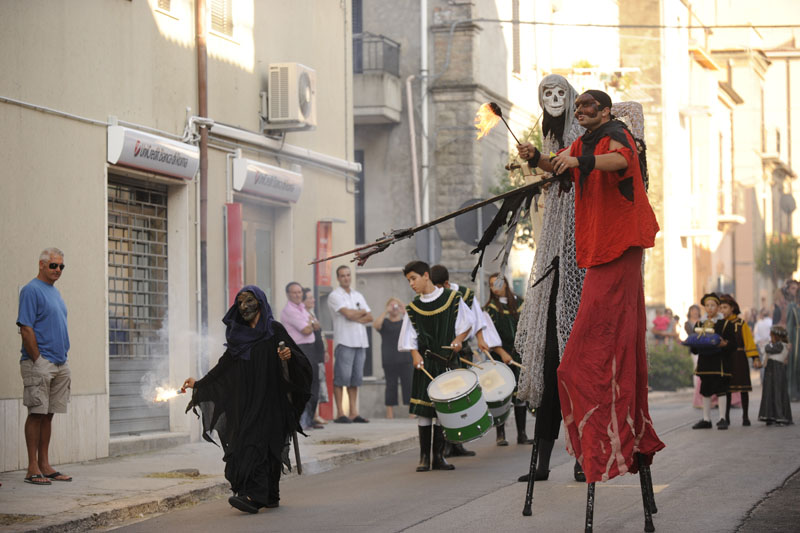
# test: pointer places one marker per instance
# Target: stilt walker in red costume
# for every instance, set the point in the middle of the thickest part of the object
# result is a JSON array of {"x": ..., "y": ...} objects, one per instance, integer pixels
[{"x": 602, "y": 378}]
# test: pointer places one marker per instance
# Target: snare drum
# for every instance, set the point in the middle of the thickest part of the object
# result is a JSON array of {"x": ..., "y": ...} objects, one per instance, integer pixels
[
  {"x": 459, "y": 404},
  {"x": 497, "y": 383}
]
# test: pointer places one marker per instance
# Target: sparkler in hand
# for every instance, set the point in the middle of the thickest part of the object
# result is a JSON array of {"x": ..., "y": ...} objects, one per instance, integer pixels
[{"x": 163, "y": 394}]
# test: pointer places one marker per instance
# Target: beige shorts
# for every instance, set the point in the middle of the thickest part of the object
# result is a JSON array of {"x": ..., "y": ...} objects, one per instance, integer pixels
[{"x": 47, "y": 386}]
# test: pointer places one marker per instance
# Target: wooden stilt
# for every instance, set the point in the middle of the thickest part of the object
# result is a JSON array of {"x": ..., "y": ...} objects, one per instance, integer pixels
[
  {"x": 526, "y": 511},
  {"x": 589, "y": 508},
  {"x": 648, "y": 517}
]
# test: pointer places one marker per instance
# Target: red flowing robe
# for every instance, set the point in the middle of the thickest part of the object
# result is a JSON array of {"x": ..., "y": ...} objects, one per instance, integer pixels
[{"x": 602, "y": 378}]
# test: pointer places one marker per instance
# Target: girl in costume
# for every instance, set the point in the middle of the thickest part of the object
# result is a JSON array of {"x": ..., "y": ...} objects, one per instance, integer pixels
[
  {"x": 775, "y": 406},
  {"x": 503, "y": 309}
]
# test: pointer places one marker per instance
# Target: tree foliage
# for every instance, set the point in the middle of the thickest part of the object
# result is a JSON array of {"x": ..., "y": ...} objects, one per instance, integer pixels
[
  {"x": 777, "y": 259},
  {"x": 508, "y": 180}
]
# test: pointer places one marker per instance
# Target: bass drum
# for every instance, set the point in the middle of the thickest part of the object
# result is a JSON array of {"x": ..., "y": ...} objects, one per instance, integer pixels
[
  {"x": 460, "y": 406},
  {"x": 497, "y": 383}
]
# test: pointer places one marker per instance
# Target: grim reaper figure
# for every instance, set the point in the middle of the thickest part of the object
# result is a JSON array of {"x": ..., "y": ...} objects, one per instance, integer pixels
[{"x": 556, "y": 281}]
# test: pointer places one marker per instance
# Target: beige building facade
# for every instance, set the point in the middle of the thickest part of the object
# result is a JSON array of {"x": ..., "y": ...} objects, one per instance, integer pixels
[{"x": 98, "y": 106}]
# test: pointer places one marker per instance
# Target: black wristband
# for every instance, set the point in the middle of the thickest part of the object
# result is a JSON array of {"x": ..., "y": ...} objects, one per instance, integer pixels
[
  {"x": 533, "y": 162},
  {"x": 585, "y": 164}
]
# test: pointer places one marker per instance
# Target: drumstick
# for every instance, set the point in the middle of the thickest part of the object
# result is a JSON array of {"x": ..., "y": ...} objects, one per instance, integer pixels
[
  {"x": 489, "y": 355},
  {"x": 515, "y": 364},
  {"x": 426, "y": 372},
  {"x": 469, "y": 362}
]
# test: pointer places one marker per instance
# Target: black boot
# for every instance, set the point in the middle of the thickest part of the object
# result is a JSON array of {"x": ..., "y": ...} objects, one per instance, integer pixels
[
  {"x": 458, "y": 450},
  {"x": 501, "y": 435},
  {"x": 424, "y": 449},
  {"x": 520, "y": 412},
  {"x": 439, "y": 462},
  {"x": 542, "y": 461}
]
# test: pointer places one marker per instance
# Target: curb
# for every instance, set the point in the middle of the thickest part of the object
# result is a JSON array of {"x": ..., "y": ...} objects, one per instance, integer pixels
[{"x": 161, "y": 501}]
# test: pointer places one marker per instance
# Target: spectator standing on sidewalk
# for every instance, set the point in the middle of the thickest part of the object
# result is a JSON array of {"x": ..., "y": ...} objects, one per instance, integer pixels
[
  {"x": 299, "y": 325},
  {"x": 350, "y": 313},
  {"x": 321, "y": 352},
  {"x": 42, "y": 321},
  {"x": 397, "y": 366}
]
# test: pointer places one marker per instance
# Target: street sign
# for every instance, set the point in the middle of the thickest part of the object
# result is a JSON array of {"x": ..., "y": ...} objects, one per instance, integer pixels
[
  {"x": 429, "y": 252},
  {"x": 468, "y": 224}
]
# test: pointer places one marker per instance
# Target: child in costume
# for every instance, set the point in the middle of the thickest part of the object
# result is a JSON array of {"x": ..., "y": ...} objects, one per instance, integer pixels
[
  {"x": 745, "y": 348},
  {"x": 775, "y": 406},
  {"x": 436, "y": 317}
]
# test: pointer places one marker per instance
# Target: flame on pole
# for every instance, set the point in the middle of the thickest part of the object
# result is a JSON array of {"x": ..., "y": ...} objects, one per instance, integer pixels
[{"x": 485, "y": 119}]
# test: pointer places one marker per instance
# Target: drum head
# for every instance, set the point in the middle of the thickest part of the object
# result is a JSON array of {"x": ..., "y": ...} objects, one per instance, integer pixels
[
  {"x": 452, "y": 384},
  {"x": 496, "y": 379}
]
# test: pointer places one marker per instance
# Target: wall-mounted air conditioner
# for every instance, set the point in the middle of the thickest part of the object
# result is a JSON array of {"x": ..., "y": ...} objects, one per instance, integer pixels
[{"x": 290, "y": 101}]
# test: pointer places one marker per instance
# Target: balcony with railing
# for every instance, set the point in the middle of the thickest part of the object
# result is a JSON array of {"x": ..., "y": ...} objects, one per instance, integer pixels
[{"x": 377, "y": 92}]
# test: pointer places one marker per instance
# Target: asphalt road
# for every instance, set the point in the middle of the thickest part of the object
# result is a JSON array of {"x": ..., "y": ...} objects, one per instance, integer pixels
[{"x": 705, "y": 481}]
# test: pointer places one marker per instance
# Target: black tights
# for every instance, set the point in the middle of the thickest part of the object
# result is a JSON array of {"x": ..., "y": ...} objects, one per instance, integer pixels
[{"x": 745, "y": 406}]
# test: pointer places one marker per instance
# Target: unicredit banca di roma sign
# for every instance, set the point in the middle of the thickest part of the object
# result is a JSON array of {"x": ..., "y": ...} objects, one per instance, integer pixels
[
  {"x": 132, "y": 148},
  {"x": 261, "y": 179}
]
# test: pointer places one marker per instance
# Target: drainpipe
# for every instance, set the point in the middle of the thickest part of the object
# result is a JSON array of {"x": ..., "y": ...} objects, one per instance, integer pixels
[
  {"x": 202, "y": 106},
  {"x": 423, "y": 89},
  {"x": 413, "y": 139}
]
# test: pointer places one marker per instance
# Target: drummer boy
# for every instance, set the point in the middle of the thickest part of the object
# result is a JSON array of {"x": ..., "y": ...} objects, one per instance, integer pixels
[{"x": 436, "y": 318}]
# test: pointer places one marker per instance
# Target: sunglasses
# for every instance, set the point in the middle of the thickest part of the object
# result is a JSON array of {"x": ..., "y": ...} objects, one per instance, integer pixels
[{"x": 54, "y": 266}]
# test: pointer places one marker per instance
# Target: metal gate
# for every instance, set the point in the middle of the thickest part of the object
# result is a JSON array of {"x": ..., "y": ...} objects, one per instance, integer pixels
[{"x": 138, "y": 343}]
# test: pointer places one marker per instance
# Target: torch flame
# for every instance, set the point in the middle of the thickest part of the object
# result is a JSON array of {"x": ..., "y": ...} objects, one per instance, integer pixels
[
  {"x": 162, "y": 394},
  {"x": 485, "y": 120}
]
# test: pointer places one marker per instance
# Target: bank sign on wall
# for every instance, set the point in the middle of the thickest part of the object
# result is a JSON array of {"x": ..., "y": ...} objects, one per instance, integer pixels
[
  {"x": 265, "y": 180},
  {"x": 159, "y": 155}
]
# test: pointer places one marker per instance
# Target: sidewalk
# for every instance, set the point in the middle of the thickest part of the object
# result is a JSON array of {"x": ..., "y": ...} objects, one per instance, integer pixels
[{"x": 108, "y": 491}]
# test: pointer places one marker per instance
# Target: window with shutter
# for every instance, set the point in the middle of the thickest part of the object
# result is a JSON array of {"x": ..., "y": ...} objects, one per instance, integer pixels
[
  {"x": 164, "y": 4},
  {"x": 221, "y": 17}
]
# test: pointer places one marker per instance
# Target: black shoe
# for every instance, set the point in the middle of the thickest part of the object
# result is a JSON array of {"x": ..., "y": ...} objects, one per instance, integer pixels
[
  {"x": 746, "y": 422},
  {"x": 460, "y": 451},
  {"x": 343, "y": 420},
  {"x": 272, "y": 504},
  {"x": 722, "y": 424},
  {"x": 540, "y": 476},
  {"x": 703, "y": 424},
  {"x": 578, "y": 474},
  {"x": 244, "y": 504}
]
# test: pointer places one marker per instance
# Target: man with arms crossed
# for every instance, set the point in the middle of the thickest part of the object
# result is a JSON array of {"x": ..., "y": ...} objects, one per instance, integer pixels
[{"x": 350, "y": 312}]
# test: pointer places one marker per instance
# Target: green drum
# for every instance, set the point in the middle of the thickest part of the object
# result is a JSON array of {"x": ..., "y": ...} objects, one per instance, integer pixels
[
  {"x": 459, "y": 404},
  {"x": 497, "y": 383}
]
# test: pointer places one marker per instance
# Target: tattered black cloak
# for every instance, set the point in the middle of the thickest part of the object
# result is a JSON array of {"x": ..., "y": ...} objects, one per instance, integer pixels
[{"x": 246, "y": 399}]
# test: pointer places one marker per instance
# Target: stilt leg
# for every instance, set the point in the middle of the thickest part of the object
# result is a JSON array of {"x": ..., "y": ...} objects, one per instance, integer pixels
[
  {"x": 589, "y": 508},
  {"x": 526, "y": 511},
  {"x": 648, "y": 517},
  {"x": 649, "y": 476}
]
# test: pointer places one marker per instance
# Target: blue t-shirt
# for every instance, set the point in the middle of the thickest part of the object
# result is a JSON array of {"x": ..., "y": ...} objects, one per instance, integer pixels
[{"x": 41, "y": 308}]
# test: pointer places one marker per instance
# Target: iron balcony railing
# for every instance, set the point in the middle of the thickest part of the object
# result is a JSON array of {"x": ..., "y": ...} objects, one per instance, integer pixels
[{"x": 373, "y": 53}]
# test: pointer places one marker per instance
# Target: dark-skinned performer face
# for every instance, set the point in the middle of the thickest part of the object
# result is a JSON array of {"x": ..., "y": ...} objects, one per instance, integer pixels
[
  {"x": 248, "y": 307},
  {"x": 588, "y": 112}
]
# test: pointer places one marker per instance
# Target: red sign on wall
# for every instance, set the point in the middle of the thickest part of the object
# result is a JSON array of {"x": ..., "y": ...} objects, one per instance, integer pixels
[
  {"x": 235, "y": 248},
  {"x": 324, "y": 249}
]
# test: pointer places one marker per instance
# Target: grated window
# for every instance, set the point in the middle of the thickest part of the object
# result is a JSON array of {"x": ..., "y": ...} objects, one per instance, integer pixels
[{"x": 222, "y": 17}]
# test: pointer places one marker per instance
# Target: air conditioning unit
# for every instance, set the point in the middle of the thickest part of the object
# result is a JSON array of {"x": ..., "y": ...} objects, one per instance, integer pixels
[{"x": 290, "y": 102}]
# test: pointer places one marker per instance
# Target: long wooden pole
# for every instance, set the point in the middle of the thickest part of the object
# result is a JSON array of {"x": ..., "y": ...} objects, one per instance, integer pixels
[{"x": 406, "y": 233}]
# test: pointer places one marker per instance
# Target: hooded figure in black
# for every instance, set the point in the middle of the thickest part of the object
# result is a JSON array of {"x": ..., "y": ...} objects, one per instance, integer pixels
[{"x": 251, "y": 400}]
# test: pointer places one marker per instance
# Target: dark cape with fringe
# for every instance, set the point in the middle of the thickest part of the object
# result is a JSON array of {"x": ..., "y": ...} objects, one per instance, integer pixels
[{"x": 254, "y": 409}]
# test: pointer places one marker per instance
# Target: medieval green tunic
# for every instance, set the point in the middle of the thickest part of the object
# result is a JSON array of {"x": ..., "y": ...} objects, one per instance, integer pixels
[
  {"x": 435, "y": 325},
  {"x": 505, "y": 322}
]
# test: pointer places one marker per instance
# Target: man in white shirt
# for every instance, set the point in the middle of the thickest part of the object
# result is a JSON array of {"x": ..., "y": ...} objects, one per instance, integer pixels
[{"x": 350, "y": 313}]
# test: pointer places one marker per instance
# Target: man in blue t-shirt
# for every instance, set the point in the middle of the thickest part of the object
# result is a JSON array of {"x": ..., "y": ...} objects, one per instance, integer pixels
[{"x": 42, "y": 321}]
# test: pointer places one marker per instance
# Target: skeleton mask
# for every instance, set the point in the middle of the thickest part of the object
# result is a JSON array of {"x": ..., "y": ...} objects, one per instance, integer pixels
[
  {"x": 554, "y": 98},
  {"x": 248, "y": 306}
]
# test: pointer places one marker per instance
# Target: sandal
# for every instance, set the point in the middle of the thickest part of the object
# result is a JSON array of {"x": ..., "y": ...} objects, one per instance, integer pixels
[
  {"x": 55, "y": 475},
  {"x": 37, "y": 479}
]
